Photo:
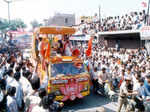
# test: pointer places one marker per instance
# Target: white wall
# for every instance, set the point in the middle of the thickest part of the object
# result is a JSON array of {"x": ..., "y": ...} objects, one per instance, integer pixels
[{"x": 62, "y": 20}]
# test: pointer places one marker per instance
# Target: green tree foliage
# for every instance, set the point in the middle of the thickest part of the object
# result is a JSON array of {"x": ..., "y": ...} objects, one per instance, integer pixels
[
  {"x": 3, "y": 25},
  {"x": 13, "y": 25},
  {"x": 35, "y": 24}
]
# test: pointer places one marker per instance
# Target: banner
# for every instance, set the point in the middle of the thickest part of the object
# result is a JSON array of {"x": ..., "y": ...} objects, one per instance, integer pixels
[
  {"x": 144, "y": 4},
  {"x": 145, "y": 33}
]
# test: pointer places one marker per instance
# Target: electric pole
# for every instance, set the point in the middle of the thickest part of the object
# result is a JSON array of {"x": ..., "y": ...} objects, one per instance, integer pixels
[
  {"x": 99, "y": 14},
  {"x": 8, "y": 2}
]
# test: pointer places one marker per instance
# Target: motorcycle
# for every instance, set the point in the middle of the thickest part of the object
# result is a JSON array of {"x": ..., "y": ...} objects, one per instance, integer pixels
[
  {"x": 56, "y": 106},
  {"x": 147, "y": 104},
  {"x": 142, "y": 104},
  {"x": 138, "y": 104},
  {"x": 106, "y": 90},
  {"x": 109, "y": 92}
]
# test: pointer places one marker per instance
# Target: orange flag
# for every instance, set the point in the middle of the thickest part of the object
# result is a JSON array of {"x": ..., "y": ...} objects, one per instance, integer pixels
[
  {"x": 89, "y": 50},
  {"x": 144, "y": 4},
  {"x": 48, "y": 50},
  {"x": 42, "y": 51},
  {"x": 47, "y": 53}
]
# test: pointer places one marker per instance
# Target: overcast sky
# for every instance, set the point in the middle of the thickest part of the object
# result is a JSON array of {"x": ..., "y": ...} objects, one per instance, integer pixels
[{"x": 29, "y": 10}]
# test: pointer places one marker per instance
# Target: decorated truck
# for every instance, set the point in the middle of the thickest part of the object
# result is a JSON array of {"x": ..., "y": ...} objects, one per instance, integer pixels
[{"x": 67, "y": 75}]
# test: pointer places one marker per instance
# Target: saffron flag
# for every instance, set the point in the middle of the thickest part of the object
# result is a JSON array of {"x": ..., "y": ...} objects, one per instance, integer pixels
[
  {"x": 48, "y": 50},
  {"x": 47, "y": 53},
  {"x": 42, "y": 50},
  {"x": 89, "y": 50},
  {"x": 144, "y": 4}
]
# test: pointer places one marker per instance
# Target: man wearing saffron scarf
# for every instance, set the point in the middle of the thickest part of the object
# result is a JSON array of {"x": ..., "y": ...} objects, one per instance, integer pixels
[
  {"x": 67, "y": 46},
  {"x": 89, "y": 50}
]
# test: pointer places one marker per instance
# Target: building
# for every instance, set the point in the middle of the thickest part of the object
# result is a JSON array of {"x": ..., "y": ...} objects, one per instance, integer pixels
[
  {"x": 62, "y": 20},
  {"x": 89, "y": 19},
  {"x": 125, "y": 39}
]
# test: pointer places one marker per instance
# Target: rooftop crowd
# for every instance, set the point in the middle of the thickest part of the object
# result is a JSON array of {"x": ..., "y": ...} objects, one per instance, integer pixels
[{"x": 130, "y": 21}]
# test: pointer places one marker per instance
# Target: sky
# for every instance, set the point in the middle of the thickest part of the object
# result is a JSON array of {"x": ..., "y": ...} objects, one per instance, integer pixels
[{"x": 29, "y": 10}]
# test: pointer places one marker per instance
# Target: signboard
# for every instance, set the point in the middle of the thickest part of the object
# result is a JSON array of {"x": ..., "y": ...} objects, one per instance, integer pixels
[
  {"x": 145, "y": 33},
  {"x": 80, "y": 38},
  {"x": 86, "y": 18}
]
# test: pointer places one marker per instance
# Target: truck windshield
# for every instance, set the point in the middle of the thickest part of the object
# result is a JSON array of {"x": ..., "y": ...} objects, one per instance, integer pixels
[{"x": 66, "y": 69}]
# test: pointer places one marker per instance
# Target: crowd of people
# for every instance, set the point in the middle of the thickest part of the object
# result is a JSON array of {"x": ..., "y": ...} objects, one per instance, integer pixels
[
  {"x": 126, "y": 70},
  {"x": 20, "y": 87},
  {"x": 131, "y": 21}
]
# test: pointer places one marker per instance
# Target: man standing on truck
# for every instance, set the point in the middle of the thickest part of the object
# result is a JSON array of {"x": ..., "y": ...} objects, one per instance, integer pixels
[{"x": 67, "y": 46}]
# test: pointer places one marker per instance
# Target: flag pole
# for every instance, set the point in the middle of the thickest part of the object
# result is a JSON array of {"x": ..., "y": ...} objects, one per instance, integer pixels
[{"x": 147, "y": 16}]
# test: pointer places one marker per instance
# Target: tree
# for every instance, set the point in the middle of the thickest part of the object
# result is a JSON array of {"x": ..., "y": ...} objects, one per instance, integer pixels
[
  {"x": 13, "y": 25},
  {"x": 3, "y": 25},
  {"x": 17, "y": 24},
  {"x": 35, "y": 24}
]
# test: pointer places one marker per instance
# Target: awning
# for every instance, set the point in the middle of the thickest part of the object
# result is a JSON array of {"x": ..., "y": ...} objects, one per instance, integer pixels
[{"x": 120, "y": 34}]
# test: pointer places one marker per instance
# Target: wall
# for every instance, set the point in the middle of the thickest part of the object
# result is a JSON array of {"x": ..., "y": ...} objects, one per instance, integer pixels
[
  {"x": 62, "y": 20},
  {"x": 147, "y": 45},
  {"x": 125, "y": 43}
]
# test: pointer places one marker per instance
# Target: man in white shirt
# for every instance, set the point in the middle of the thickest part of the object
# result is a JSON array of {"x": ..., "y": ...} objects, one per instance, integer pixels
[
  {"x": 124, "y": 92},
  {"x": 12, "y": 82},
  {"x": 46, "y": 79},
  {"x": 135, "y": 78},
  {"x": 103, "y": 76},
  {"x": 2, "y": 67},
  {"x": 8, "y": 63},
  {"x": 40, "y": 42},
  {"x": 19, "y": 96},
  {"x": 128, "y": 72},
  {"x": 11, "y": 101},
  {"x": 43, "y": 107},
  {"x": 26, "y": 86}
]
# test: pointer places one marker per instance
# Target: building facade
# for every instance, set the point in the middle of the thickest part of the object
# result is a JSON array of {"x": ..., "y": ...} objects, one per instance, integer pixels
[{"x": 62, "y": 20}]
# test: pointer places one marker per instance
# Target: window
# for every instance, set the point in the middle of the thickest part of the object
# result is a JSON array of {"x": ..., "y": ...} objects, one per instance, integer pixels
[
  {"x": 66, "y": 69},
  {"x": 66, "y": 20}
]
